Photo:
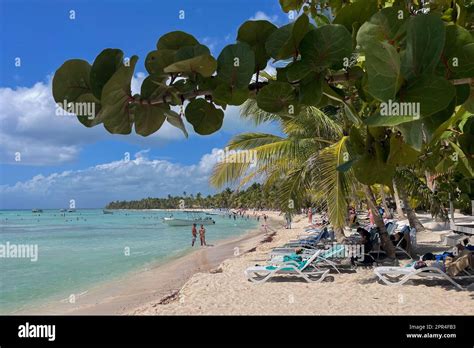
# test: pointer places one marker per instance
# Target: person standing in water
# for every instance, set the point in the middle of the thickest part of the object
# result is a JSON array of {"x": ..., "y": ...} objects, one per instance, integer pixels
[
  {"x": 194, "y": 232},
  {"x": 202, "y": 235}
]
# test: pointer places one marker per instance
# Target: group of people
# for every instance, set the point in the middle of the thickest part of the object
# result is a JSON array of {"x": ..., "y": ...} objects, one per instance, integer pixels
[{"x": 202, "y": 235}]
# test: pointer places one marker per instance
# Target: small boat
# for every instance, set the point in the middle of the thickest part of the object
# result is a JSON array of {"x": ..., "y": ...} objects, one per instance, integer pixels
[
  {"x": 171, "y": 221},
  {"x": 36, "y": 210},
  {"x": 71, "y": 210},
  {"x": 105, "y": 211},
  {"x": 62, "y": 210}
]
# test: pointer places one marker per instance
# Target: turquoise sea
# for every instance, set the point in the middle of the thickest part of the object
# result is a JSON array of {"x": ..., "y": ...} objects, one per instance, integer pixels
[{"x": 79, "y": 249}]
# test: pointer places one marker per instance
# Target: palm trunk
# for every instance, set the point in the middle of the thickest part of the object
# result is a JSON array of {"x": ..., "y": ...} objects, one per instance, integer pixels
[
  {"x": 384, "y": 202},
  {"x": 412, "y": 218},
  {"x": 339, "y": 234},
  {"x": 384, "y": 238},
  {"x": 401, "y": 214}
]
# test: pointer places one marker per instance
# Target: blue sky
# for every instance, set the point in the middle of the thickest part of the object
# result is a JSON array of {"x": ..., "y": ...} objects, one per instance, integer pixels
[{"x": 61, "y": 159}]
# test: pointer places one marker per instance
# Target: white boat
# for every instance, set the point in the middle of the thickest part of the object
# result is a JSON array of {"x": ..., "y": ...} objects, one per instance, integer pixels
[
  {"x": 37, "y": 210},
  {"x": 105, "y": 211},
  {"x": 171, "y": 221}
]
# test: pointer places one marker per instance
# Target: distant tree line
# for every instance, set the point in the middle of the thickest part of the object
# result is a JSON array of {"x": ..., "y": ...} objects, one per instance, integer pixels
[{"x": 255, "y": 196}]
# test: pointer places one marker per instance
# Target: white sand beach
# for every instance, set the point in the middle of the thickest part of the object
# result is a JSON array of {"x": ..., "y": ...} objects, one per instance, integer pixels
[{"x": 228, "y": 292}]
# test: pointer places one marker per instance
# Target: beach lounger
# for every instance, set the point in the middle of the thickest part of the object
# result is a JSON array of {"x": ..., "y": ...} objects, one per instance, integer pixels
[
  {"x": 400, "y": 275},
  {"x": 304, "y": 269}
]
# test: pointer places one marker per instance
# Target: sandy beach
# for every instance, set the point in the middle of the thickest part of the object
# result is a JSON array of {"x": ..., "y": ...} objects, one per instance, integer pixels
[
  {"x": 160, "y": 282},
  {"x": 228, "y": 292}
]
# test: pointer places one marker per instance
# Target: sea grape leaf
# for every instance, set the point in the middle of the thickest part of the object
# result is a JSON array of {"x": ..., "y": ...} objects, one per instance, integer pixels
[
  {"x": 204, "y": 116},
  {"x": 276, "y": 96},
  {"x": 92, "y": 105},
  {"x": 290, "y": 5},
  {"x": 176, "y": 120},
  {"x": 284, "y": 42},
  {"x": 236, "y": 65},
  {"x": 228, "y": 95},
  {"x": 115, "y": 96},
  {"x": 189, "y": 52},
  {"x": 149, "y": 118},
  {"x": 297, "y": 71},
  {"x": 401, "y": 154},
  {"x": 326, "y": 46},
  {"x": 104, "y": 66},
  {"x": 369, "y": 170},
  {"x": 382, "y": 62},
  {"x": 432, "y": 93},
  {"x": 157, "y": 60},
  {"x": 71, "y": 80},
  {"x": 204, "y": 65},
  {"x": 311, "y": 90},
  {"x": 412, "y": 134},
  {"x": 387, "y": 25},
  {"x": 356, "y": 12},
  {"x": 175, "y": 40},
  {"x": 255, "y": 34},
  {"x": 458, "y": 54},
  {"x": 424, "y": 44}
]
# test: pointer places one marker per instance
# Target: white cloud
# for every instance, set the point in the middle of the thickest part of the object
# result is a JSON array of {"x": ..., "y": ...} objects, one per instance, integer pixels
[
  {"x": 30, "y": 126},
  {"x": 260, "y": 15},
  {"x": 119, "y": 180}
]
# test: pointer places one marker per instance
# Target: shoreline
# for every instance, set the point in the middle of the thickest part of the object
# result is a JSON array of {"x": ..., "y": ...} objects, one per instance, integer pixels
[
  {"x": 158, "y": 281},
  {"x": 353, "y": 293}
]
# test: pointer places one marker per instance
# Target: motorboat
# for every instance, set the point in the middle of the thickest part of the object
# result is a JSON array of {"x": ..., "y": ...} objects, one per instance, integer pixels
[{"x": 172, "y": 221}]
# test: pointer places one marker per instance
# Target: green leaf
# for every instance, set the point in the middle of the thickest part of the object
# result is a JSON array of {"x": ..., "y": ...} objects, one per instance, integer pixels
[
  {"x": 157, "y": 61},
  {"x": 412, "y": 134},
  {"x": 433, "y": 93},
  {"x": 176, "y": 120},
  {"x": 115, "y": 96},
  {"x": 283, "y": 43},
  {"x": 204, "y": 117},
  {"x": 326, "y": 46},
  {"x": 379, "y": 120},
  {"x": 462, "y": 160},
  {"x": 297, "y": 71},
  {"x": 71, "y": 80},
  {"x": 311, "y": 90},
  {"x": 291, "y": 5},
  {"x": 424, "y": 45},
  {"x": 93, "y": 105},
  {"x": 204, "y": 65},
  {"x": 383, "y": 69},
  {"x": 276, "y": 97},
  {"x": 104, "y": 66},
  {"x": 175, "y": 40},
  {"x": 255, "y": 34},
  {"x": 152, "y": 88},
  {"x": 344, "y": 167},
  {"x": 189, "y": 52},
  {"x": 401, "y": 154},
  {"x": 236, "y": 65},
  {"x": 458, "y": 54},
  {"x": 369, "y": 170},
  {"x": 149, "y": 118},
  {"x": 356, "y": 12},
  {"x": 227, "y": 95},
  {"x": 388, "y": 25}
]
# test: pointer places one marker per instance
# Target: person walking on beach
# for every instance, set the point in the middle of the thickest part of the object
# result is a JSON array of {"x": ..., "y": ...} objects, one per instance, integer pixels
[
  {"x": 194, "y": 232},
  {"x": 202, "y": 235}
]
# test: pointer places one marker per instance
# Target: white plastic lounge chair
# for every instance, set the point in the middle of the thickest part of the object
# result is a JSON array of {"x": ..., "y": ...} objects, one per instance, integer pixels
[
  {"x": 306, "y": 270},
  {"x": 400, "y": 275}
]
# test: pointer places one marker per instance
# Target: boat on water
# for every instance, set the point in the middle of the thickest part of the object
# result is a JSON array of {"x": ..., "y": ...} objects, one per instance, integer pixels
[
  {"x": 62, "y": 210},
  {"x": 105, "y": 211},
  {"x": 36, "y": 210},
  {"x": 71, "y": 210},
  {"x": 171, "y": 221}
]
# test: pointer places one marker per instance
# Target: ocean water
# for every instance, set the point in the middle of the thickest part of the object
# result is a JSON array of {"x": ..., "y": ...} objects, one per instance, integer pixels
[{"x": 86, "y": 247}]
